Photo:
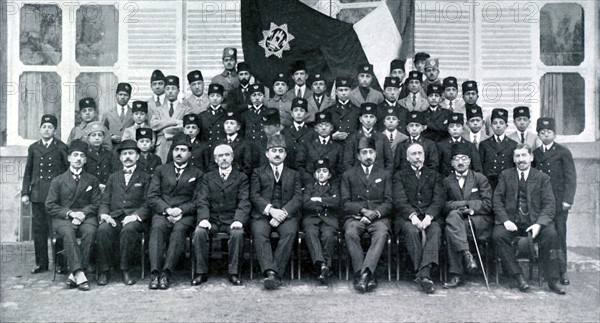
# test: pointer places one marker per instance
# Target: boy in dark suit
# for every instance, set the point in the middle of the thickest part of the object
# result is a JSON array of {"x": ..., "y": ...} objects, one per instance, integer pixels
[
  {"x": 148, "y": 161},
  {"x": 415, "y": 126},
  {"x": 88, "y": 113},
  {"x": 298, "y": 133},
  {"x": 474, "y": 131},
  {"x": 72, "y": 202},
  {"x": 450, "y": 99},
  {"x": 200, "y": 151},
  {"x": 139, "y": 110},
  {"x": 455, "y": 129},
  {"x": 344, "y": 114},
  {"x": 496, "y": 152},
  {"x": 366, "y": 192},
  {"x": 364, "y": 93},
  {"x": 120, "y": 117},
  {"x": 276, "y": 196},
  {"x": 320, "y": 223},
  {"x": 391, "y": 121},
  {"x": 522, "y": 120},
  {"x": 242, "y": 150},
  {"x": 123, "y": 211},
  {"x": 391, "y": 90},
  {"x": 46, "y": 159},
  {"x": 320, "y": 100},
  {"x": 419, "y": 199},
  {"x": 223, "y": 206},
  {"x": 101, "y": 162},
  {"x": 252, "y": 118},
  {"x": 556, "y": 161},
  {"x": 435, "y": 116},
  {"x": 212, "y": 119},
  {"x": 171, "y": 197}
]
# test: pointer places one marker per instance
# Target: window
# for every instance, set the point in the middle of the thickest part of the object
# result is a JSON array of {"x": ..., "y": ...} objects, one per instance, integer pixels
[
  {"x": 99, "y": 86},
  {"x": 41, "y": 34},
  {"x": 563, "y": 98},
  {"x": 561, "y": 34},
  {"x": 40, "y": 94},
  {"x": 97, "y": 35}
]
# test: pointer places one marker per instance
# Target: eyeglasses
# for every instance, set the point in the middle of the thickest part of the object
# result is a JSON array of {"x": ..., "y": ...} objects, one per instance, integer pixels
[{"x": 461, "y": 158}]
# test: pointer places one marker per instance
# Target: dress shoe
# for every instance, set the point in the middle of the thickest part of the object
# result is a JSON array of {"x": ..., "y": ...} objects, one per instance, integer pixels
[
  {"x": 523, "y": 286},
  {"x": 39, "y": 269},
  {"x": 199, "y": 279},
  {"x": 555, "y": 287},
  {"x": 470, "y": 263},
  {"x": 564, "y": 279},
  {"x": 426, "y": 285},
  {"x": 85, "y": 286},
  {"x": 127, "y": 278},
  {"x": 454, "y": 282},
  {"x": 235, "y": 280},
  {"x": 372, "y": 284},
  {"x": 71, "y": 283},
  {"x": 363, "y": 282},
  {"x": 325, "y": 273},
  {"x": 103, "y": 278},
  {"x": 272, "y": 280},
  {"x": 163, "y": 282},
  {"x": 154, "y": 282}
]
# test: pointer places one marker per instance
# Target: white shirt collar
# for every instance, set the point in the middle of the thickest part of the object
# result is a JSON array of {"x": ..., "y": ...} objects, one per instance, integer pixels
[
  {"x": 343, "y": 102},
  {"x": 390, "y": 103},
  {"x": 547, "y": 147},
  {"x": 158, "y": 98},
  {"x": 501, "y": 137},
  {"x": 75, "y": 171},
  {"x": 232, "y": 137},
  {"x": 370, "y": 168},
  {"x": 388, "y": 133},
  {"x": 47, "y": 142},
  {"x": 278, "y": 168},
  {"x": 180, "y": 167},
  {"x": 298, "y": 125},
  {"x": 414, "y": 169},
  {"x": 367, "y": 131},
  {"x": 226, "y": 171},
  {"x": 526, "y": 172},
  {"x": 324, "y": 138},
  {"x": 132, "y": 168}
]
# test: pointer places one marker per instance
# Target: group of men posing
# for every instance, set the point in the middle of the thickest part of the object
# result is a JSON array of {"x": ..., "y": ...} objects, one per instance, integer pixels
[{"x": 362, "y": 162}]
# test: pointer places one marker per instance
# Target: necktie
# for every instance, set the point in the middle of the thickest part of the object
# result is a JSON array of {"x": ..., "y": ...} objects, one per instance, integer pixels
[
  {"x": 451, "y": 108},
  {"x": 298, "y": 93},
  {"x": 229, "y": 141},
  {"x": 276, "y": 175},
  {"x": 367, "y": 172},
  {"x": 474, "y": 139},
  {"x": 47, "y": 144},
  {"x": 418, "y": 174},
  {"x": 298, "y": 129},
  {"x": 127, "y": 171},
  {"x": 76, "y": 177},
  {"x": 122, "y": 116},
  {"x": 522, "y": 137},
  {"x": 178, "y": 172},
  {"x": 413, "y": 139},
  {"x": 171, "y": 110},
  {"x": 414, "y": 100},
  {"x": 391, "y": 138},
  {"x": 461, "y": 180},
  {"x": 158, "y": 104},
  {"x": 223, "y": 176},
  {"x": 522, "y": 177}
]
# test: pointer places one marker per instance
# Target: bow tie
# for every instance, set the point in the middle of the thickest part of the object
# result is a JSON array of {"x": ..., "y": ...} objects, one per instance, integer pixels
[
  {"x": 459, "y": 176},
  {"x": 127, "y": 171}
]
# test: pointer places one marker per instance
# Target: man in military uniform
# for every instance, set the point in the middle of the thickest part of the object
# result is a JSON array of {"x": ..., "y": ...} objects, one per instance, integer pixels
[
  {"x": 171, "y": 197},
  {"x": 223, "y": 206},
  {"x": 197, "y": 102},
  {"x": 468, "y": 198},
  {"x": 228, "y": 78},
  {"x": 524, "y": 204},
  {"x": 158, "y": 98},
  {"x": 279, "y": 100},
  {"x": 364, "y": 93},
  {"x": 276, "y": 196},
  {"x": 299, "y": 76},
  {"x": 419, "y": 199},
  {"x": 366, "y": 192},
  {"x": 46, "y": 159},
  {"x": 556, "y": 161},
  {"x": 72, "y": 202},
  {"x": 415, "y": 100},
  {"x": 496, "y": 152},
  {"x": 212, "y": 119},
  {"x": 344, "y": 114},
  {"x": 123, "y": 211},
  {"x": 120, "y": 117},
  {"x": 432, "y": 71}
]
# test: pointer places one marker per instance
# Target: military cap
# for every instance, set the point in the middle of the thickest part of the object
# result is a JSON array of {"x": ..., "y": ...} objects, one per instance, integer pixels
[
  {"x": 450, "y": 81},
  {"x": 521, "y": 112},
  {"x": 191, "y": 118},
  {"x": 456, "y": 118},
  {"x": 299, "y": 103},
  {"x": 49, "y": 118},
  {"x": 397, "y": 64},
  {"x": 124, "y": 87},
  {"x": 215, "y": 88},
  {"x": 474, "y": 111},
  {"x": 364, "y": 143},
  {"x": 281, "y": 77},
  {"x": 271, "y": 117},
  {"x": 243, "y": 66},
  {"x": 421, "y": 56},
  {"x": 276, "y": 141},
  {"x": 157, "y": 75},
  {"x": 181, "y": 139},
  {"x": 172, "y": 80},
  {"x": 391, "y": 82},
  {"x": 316, "y": 77},
  {"x": 365, "y": 68},
  {"x": 143, "y": 133},
  {"x": 141, "y": 106},
  {"x": 230, "y": 52},
  {"x": 256, "y": 88},
  {"x": 322, "y": 163},
  {"x": 415, "y": 117},
  {"x": 78, "y": 145},
  {"x": 342, "y": 81},
  {"x": 500, "y": 113},
  {"x": 297, "y": 66},
  {"x": 87, "y": 103},
  {"x": 231, "y": 115},
  {"x": 545, "y": 123},
  {"x": 391, "y": 112},
  {"x": 469, "y": 86},
  {"x": 459, "y": 149},
  {"x": 434, "y": 88},
  {"x": 323, "y": 117},
  {"x": 128, "y": 144},
  {"x": 95, "y": 126},
  {"x": 194, "y": 76},
  {"x": 432, "y": 63},
  {"x": 415, "y": 75},
  {"x": 368, "y": 108}
]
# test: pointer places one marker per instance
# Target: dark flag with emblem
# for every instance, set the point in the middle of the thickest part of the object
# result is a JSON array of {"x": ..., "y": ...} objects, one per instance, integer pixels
[{"x": 276, "y": 33}]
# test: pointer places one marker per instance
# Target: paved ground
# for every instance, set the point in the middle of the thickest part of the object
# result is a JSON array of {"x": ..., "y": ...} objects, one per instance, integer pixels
[{"x": 26, "y": 297}]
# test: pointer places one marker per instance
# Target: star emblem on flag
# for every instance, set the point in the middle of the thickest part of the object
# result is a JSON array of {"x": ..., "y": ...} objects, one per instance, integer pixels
[{"x": 276, "y": 40}]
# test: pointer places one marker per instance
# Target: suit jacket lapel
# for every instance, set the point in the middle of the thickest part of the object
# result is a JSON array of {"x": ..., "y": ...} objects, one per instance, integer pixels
[
  {"x": 469, "y": 185},
  {"x": 132, "y": 180}
]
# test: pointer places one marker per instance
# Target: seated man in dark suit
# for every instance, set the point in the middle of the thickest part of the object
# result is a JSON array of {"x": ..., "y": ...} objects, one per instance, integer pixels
[
  {"x": 524, "y": 202},
  {"x": 419, "y": 199},
  {"x": 171, "y": 197},
  {"x": 72, "y": 202},
  {"x": 468, "y": 195},
  {"x": 276, "y": 196},
  {"x": 366, "y": 193},
  {"x": 223, "y": 206},
  {"x": 123, "y": 211}
]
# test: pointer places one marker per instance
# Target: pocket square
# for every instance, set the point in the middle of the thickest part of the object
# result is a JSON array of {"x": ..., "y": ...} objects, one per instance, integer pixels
[
  {"x": 378, "y": 180},
  {"x": 89, "y": 188},
  {"x": 192, "y": 179},
  {"x": 137, "y": 184},
  {"x": 474, "y": 190}
]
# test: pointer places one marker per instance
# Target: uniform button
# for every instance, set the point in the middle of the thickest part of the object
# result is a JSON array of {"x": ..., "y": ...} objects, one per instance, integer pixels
[
  {"x": 41, "y": 176},
  {"x": 49, "y": 158}
]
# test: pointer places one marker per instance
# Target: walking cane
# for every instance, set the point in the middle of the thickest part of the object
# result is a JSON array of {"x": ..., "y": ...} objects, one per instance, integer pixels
[{"x": 478, "y": 253}]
